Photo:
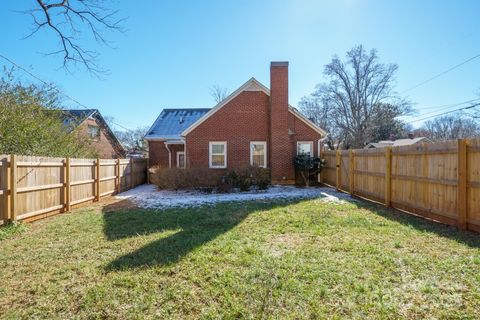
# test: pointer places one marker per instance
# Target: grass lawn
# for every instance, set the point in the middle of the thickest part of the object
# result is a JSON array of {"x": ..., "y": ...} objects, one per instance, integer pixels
[{"x": 304, "y": 259}]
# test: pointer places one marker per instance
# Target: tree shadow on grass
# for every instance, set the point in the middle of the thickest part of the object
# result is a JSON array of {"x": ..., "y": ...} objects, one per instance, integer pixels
[
  {"x": 191, "y": 227},
  {"x": 468, "y": 238}
]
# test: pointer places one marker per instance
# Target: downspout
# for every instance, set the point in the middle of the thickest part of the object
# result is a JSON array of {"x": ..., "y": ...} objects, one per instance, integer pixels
[{"x": 169, "y": 155}]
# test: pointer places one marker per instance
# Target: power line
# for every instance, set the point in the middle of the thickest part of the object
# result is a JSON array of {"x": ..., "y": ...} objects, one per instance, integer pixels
[
  {"x": 54, "y": 88},
  {"x": 442, "y": 109},
  {"x": 441, "y": 73},
  {"x": 449, "y": 105},
  {"x": 441, "y": 114}
]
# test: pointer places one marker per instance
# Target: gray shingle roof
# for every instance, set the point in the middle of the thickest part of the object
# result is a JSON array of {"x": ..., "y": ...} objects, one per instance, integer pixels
[
  {"x": 172, "y": 122},
  {"x": 73, "y": 118}
]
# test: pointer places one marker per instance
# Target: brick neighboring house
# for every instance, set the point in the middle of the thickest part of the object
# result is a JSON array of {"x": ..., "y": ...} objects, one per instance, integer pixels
[
  {"x": 252, "y": 126},
  {"x": 89, "y": 124}
]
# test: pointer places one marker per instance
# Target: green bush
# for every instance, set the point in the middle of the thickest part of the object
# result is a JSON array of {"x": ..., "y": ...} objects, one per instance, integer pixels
[{"x": 308, "y": 166}]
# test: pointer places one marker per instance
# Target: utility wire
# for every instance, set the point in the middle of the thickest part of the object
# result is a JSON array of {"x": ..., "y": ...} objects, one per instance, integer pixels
[
  {"x": 442, "y": 109},
  {"x": 441, "y": 73},
  {"x": 54, "y": 88},
  {"x": 448, "y": 105},
  {"x": 441, "y": 114}
]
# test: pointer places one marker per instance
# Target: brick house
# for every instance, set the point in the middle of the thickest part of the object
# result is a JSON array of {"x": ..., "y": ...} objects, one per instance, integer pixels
[
  {"x": 89, "y": 124},
  {"x": 252, "y": 126}
]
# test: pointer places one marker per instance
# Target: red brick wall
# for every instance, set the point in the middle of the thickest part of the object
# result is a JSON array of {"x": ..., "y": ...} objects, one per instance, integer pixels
[
  {"x": 158, "y": 154},
  {"x": 303, "y": 132},
  {"x": 240, "y": 121},
  {"x": 281, "y": 153},
  {"x": 103, "y": 146}
]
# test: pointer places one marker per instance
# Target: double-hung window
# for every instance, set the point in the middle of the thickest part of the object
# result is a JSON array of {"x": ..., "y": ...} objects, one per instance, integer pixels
[
  {"x": 218, "y": 154},
  {"x": 258, "y": 154},
  {"x": 305, "y": 147}
]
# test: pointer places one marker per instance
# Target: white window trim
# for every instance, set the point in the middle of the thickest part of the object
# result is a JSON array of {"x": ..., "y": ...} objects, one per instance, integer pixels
[
  {"x": 178, "y": 159},
  {"x": 210, "y": 165},
  {"x": 264, "y": 143},
  {"x": 305, "y": 142}
]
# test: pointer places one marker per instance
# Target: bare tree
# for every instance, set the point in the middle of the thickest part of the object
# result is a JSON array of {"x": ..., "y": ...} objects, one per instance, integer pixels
[
  {"x": 358, "y": 98},
  {"x": 218, "y": 93},
  {"x": 450, "y": 127},
  {"x": 68, "y": 20}
]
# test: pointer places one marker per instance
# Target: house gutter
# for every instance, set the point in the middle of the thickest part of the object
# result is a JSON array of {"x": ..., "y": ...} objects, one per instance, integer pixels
[{"x": 169, "y": 155}]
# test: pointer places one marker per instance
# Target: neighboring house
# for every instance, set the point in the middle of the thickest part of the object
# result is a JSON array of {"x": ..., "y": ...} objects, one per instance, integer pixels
[
  {"x": 397, "y": 143},
  {"x": 89, "y": 124},
  {"x": 252, "y": 126}
]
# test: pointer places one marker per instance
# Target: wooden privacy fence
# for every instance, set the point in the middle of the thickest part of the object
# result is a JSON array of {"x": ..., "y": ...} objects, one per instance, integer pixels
[
  {"x": 36, "y": 187},
  {"x": 440, "y": 181}
]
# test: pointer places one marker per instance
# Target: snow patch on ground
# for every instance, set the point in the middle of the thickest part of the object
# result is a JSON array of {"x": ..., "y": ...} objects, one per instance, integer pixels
[{"x": 148, "y": 196}]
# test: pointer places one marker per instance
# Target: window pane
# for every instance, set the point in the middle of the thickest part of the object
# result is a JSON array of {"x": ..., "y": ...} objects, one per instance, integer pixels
[
  {"x": 218, "y": 160},
  {"x": 258, "y": 155},
  {"x": 305, "y": 148},
  {"x": 258, "y": 160},
  {"x": 218, "y": 148}
]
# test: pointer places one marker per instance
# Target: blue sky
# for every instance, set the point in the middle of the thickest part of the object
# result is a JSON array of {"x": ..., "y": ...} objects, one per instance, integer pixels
[{"x": 174, "y": 51}]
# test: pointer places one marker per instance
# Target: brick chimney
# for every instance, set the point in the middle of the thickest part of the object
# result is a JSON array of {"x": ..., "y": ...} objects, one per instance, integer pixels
[{"x": 281, "y": 151}]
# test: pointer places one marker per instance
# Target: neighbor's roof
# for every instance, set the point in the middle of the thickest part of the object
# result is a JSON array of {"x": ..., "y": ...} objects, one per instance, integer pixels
[
  {"x": 73, "y": 117},
  {"x": 172, "y": 122},
  {"x": 397, "y": 143}
]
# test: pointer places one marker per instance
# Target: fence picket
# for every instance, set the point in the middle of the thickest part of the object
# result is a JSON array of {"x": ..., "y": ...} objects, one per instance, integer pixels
[
  {"x": 440, "y": 180},
  {"x": 38, "y": 187}
]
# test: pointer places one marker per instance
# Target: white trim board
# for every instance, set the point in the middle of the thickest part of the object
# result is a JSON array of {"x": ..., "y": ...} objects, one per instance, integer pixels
[{"x": 178, "y": 159}]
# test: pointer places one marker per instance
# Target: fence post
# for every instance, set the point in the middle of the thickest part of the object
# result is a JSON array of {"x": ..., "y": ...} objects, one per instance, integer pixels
[
  {"x": 351, "y": 170},
  {"x": 388, "y": 176},
  {"x": 97, "y": 179},
  {"x": 132, "y": 184},
  {"x": 320, "y": 154},
  {"x": 337, "y": 165},
  {"x": 13, "y": 187},
  {"x": 67, "y": 185},
  {"x": 117, "y": 174},
  {"x": 462, "y": 184}
]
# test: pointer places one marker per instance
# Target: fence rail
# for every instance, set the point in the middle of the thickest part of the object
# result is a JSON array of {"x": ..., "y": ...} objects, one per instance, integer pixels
[
  {"x": 32, "y": 188},
  {"x": 439, "y": 181}
]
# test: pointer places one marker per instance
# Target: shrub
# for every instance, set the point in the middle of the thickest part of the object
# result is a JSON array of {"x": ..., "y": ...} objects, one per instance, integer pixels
[
  {"x": 308, "y": 166},
  {"x": 253, "y": 176},
  {"x": 188, "y": 178},
  {"x": 207, "y": 180},
  {"x": 261, "y": 178}
]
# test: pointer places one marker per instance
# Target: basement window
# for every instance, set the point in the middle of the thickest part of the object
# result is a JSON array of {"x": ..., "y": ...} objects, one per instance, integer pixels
[
  {"x": 258, "y": 154},
  {"x": 93, "y": 132},
  {"x": 218, "y": 154}
]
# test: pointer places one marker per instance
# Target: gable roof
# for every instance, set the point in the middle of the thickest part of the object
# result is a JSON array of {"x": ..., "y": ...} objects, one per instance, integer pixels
[
  {"x": 251, "y": 85},
  {"x": 172, "y": 122},
  {"x": 75, "y": 117}
]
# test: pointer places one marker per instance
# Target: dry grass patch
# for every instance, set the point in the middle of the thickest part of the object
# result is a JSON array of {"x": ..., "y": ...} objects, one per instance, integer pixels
[{"x": 291, "y": 260}]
